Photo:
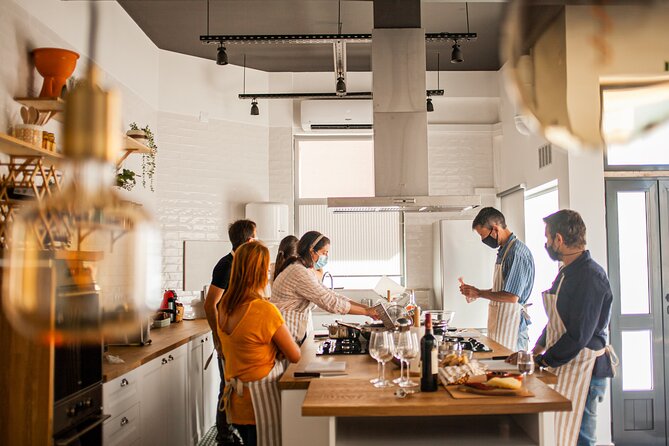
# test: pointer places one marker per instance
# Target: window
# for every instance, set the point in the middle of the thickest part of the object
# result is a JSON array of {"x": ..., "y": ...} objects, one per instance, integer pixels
[
  {"x": 636, "y": 110},
  {"x": 539, "y": 203},
  {"x": 365, "y": 246}
]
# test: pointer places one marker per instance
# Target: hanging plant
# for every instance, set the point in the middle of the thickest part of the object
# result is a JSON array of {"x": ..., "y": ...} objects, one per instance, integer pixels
[
  {"x": 125, "y": 178},
  {"x": 148, "y": 160}
]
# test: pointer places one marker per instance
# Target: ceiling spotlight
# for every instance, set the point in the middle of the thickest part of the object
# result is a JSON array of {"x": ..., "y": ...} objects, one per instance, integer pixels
[
  {"x": 456, "y": 55},
  {"x": 430, "y": 106},
  {"x": 341, "y": 85},
  {"x": 254, "y": 108},
  {"x": 222, "y": 56}
]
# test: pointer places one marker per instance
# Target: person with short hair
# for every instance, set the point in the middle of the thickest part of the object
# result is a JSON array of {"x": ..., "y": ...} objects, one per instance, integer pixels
[
  {"x": 252, "y": 334},
  {"x": 513, "y": 280},
  {"x": 297, "y": 289},
  {"x": 574, "y": 343},
  {"x": 239, "y": 232}
]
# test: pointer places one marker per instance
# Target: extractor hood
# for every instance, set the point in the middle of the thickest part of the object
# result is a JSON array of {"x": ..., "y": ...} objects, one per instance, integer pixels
[
  {"x": 435, "y": 203},
  {"x": 400, "y": 118}
]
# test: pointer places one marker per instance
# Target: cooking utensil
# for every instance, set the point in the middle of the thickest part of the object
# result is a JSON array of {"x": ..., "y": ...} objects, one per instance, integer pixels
[
  {"x": 33, "y": 115},
  {"x": 24, "y": 115}
]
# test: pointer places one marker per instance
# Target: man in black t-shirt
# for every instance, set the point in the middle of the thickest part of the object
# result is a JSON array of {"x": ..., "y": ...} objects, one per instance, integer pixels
[{"x": 239, "y": 232}]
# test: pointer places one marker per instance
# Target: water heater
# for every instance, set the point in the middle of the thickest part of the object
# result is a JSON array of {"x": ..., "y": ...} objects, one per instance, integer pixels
[{"x": 271, "y": 220}]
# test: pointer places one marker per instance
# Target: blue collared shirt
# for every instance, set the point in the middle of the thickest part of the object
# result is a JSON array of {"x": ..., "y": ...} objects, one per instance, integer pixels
[{"x": 517, "y": 273}]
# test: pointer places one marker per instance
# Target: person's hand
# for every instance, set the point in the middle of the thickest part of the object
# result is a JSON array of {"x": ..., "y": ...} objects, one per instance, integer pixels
[
  {"x": 512, "y": 358},
  {"x": 371, "y": 312},
  {"x": 470, "y": 292},
  {"x": 538, "y": 350}
]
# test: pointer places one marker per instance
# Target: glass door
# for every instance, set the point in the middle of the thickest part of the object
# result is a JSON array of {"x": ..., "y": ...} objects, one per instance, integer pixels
[{"x": 638, "y": 240}]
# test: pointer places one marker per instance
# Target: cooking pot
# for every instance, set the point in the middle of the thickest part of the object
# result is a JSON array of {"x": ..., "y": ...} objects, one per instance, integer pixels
[{"x": 340, "y": 330}]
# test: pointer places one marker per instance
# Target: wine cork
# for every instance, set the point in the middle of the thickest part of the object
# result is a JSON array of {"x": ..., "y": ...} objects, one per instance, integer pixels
[{"x": 388, "y": 294}]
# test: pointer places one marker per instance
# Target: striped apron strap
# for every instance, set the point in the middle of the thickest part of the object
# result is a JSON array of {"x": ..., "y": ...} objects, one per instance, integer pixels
[
  {"x": 266, "y": 400},
  {"x": 298, "y": 323},
  {"x": 226, "y": 398}
]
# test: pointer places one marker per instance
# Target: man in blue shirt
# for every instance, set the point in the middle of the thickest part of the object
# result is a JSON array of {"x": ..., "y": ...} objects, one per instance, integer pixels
[
  {"x": 512, "y": 284},
  {"x": 573, "y": 344}
]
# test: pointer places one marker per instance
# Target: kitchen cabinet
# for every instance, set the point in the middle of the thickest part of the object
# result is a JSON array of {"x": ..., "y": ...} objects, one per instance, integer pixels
[
  {"x": 164, "y": 399},
  {"x": 121, "y": 401},
  {"x": 203, "y": 387}
]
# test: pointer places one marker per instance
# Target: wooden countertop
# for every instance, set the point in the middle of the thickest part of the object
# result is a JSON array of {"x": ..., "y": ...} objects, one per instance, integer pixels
[
  {"x": 163, "y": 340},
  {"x": 363, "y": 367},
  {"x": 358, "y": 398}
]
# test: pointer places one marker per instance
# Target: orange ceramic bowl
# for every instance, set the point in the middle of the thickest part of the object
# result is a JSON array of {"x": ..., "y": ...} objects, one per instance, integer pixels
[{"x": 55, "y": 65}]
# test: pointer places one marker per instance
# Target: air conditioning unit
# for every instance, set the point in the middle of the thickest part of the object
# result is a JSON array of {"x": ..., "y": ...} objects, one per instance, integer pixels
[{"x": 337, "y": 115}]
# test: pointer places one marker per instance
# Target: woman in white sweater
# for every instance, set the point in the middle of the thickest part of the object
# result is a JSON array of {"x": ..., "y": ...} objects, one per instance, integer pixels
[{"x": 297, "y": 289}]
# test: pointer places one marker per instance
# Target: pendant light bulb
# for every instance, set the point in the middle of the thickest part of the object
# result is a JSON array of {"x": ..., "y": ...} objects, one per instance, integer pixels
[
  {"x": 430, "y": 106},
  {"x": 221, "y": 56},
  {"x": 83, "y": 264},
  {"x": 456, "y": 55},
  {"x": 255, "y": 111},
  {"x": 341, "y": 85}
]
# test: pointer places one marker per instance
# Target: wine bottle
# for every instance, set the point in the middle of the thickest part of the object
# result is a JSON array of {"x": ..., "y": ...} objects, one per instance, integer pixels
[
  {"x": 428, "y": 356},
  {"x": 414, "y": 364}
]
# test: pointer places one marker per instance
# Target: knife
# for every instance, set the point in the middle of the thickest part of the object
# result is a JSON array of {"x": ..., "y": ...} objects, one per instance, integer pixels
[
  {"x": 316, "y": 374},
  {"x": 499, "y": 357}
]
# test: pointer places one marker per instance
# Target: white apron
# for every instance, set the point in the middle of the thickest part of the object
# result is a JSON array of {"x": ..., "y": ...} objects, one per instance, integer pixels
[
  {"x": 573, "y": 377},
  {"x": 503, "y": 317},
  {"x": 299, "y": 323},
  {"x": 266, "y": 400}
]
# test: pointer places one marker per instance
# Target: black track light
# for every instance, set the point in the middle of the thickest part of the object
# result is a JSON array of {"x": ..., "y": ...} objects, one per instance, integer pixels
[
  {"x": 430, "y": 105},
  {"x": 255, "y": 111},
  {"x": 222, "y": 56},
  {"x": 456, "y": 55},
  {"x": 341, "y": 85}
]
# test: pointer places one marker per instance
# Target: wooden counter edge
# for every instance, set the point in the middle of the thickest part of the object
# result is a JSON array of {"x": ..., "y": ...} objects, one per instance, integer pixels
[{"x": 163, "y": 341}]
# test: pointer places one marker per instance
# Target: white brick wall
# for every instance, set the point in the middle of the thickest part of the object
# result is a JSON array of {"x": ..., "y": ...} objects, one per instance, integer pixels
[
  {"x": 206, "y": 173},
  {"x": 281, "y": 164}
]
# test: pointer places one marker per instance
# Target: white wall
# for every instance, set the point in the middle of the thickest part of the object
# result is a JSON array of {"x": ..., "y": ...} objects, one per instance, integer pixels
[{"x": 205, "y": 171}]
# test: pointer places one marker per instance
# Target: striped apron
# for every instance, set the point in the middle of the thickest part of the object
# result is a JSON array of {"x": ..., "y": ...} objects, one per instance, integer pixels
[
  {"x": 503, "y": 317},
  {"x": 299, "y": 323},
  {"x": 573, "y": 377},
  {"x": 266, "y": 400}
]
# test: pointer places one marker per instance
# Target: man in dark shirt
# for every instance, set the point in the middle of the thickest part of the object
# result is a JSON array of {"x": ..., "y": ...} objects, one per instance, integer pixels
[
  {"x": 583, "y": 305},
  {"x": 239, "y": 232}
]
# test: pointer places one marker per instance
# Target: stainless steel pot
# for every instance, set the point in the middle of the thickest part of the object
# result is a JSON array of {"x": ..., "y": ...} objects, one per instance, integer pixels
[{"x": 339, "y": 330}]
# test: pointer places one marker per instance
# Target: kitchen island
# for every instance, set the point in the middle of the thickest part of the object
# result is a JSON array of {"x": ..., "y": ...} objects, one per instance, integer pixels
[{"x": 348, "y": 410}]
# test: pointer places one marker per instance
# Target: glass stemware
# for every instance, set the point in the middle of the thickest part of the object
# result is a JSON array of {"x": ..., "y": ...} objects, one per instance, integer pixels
[
  {"x": 383, "y": 347},
  {"x": 373, "y": 352},
  {"x": 398, "y": 355},
  {"x": 409, "y": 349}
]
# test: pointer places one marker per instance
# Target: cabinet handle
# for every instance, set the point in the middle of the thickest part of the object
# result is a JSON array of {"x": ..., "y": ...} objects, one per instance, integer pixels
[
  {"x": 170, "y": 358},
  {"x": 164, "y": 361},
  {"x": 124, "y": 421},
  {"x": 202, "y": 341},
  {"x": 124, "y": 382}
]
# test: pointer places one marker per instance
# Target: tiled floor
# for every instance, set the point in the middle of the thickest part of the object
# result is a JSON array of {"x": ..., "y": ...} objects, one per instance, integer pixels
[{"x": 209, "y": 438}]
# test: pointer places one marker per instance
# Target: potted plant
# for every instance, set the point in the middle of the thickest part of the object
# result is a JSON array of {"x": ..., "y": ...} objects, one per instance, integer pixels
[
  {"x": 125, "y": 178},
  {"x": 145, "y": 136}
]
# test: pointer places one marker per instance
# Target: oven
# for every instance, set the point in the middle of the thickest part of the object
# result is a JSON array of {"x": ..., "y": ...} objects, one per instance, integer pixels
[{"x": 77, "y": 416}]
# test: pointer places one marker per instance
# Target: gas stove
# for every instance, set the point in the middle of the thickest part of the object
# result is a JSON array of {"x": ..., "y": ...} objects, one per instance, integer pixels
[
  {"x": 472, "y": 344},
  {"x": 346, "y": 346}
]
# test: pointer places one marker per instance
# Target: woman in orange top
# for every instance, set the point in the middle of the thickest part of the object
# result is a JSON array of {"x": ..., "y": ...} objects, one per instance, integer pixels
[{"x": 253, "y": 333}]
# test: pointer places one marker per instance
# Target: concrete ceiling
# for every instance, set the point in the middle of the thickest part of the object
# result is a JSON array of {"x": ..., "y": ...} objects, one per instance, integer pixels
[{"x": 176, "y": 25}]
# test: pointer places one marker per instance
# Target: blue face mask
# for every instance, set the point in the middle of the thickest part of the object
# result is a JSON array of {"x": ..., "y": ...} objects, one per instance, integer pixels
[{"x": 322, "y": 261}]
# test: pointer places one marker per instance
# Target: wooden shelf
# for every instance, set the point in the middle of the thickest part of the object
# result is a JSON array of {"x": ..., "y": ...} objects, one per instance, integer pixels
[
  {"x": 45, "y": 105},
  {"x": 16, "y": 147},
  {"x": 131, "y": 144}
]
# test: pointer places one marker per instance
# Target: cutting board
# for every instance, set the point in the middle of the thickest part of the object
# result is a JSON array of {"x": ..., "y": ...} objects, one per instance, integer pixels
[{"x": 462, "y": 392}]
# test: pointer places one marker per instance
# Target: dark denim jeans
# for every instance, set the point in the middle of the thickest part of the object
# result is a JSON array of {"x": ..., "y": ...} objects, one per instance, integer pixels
[{"x": 588, "y": 435}]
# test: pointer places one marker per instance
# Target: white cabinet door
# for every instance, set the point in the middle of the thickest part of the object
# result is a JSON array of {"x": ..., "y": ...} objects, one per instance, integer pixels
[
  {"x": 173, "y": 380},
  {"x": 195, "y": 397},
  {"x": 152, "y": 403},
  {"x": 211, "y": 381}
]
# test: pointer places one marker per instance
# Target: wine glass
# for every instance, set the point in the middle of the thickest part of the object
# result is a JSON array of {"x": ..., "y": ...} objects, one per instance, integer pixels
[
  {"x": 410, "y": 349},
  {"x": 525, "y": 364},
  {"x": 383, "y": 346},
  {"x": 398, "y": 354},
  {"x": 374, "y": 353}
]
